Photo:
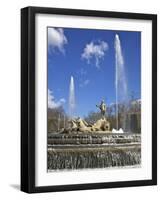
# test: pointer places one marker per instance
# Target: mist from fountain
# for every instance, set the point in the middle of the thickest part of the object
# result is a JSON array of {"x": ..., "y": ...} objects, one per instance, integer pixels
[
  {"x": 72, "y": 103},
  {"x": 120, "y": 80}
]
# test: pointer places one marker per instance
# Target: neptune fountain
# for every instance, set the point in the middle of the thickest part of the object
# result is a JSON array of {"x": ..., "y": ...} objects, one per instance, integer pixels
[{"x": 82, "y": 144}]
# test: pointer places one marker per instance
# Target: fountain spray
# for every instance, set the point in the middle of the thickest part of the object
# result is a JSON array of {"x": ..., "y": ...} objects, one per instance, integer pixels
[
  {"x": 71, "y": 98},
  {"x": 120, "y": 78}
]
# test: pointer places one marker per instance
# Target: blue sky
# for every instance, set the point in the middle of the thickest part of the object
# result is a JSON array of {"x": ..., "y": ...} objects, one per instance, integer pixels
[{"x": 89, "y": 56}]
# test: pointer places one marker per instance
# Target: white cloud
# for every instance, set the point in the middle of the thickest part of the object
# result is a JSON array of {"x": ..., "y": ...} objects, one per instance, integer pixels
[
  {"x": 84, "y": 83},
  {"x": 52, "y": 103},
  {"x": 95, "y": 50},
  {"x": 57, "y": 39}
]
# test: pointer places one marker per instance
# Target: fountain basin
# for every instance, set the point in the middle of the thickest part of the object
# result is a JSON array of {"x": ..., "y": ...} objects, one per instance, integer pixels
[
  {"x": 93, "y": 138},
  {"x": 70, "y": 158},
  {"x": 93, "y": 150}
]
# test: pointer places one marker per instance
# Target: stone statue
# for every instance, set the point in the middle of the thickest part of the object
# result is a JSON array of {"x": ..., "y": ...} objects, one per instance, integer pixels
[
  {"x": 79, "y": 125},
  {"x": 73, "y": 124},
  {"x": 83, "y": 125},
  {"x": 101, "y": 125},
  {"x": 102, "y": 108}
]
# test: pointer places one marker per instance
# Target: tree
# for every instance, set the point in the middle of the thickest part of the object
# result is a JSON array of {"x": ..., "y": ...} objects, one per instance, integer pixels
[
  {"x": 57, "y": 119},
  {"x": 92, "y": 117}
]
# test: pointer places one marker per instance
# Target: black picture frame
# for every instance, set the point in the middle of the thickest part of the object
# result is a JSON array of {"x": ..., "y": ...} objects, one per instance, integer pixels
[{"x": 28, "y": 98}]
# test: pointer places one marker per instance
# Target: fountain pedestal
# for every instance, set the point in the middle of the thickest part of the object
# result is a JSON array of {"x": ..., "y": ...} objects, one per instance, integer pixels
[{"x": 80, "y": 151}]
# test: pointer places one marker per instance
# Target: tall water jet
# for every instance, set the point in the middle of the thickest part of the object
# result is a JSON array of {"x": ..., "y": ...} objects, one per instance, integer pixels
[
  {"x": 120, "y": 80},
  {"x": 71, "y": 98}
]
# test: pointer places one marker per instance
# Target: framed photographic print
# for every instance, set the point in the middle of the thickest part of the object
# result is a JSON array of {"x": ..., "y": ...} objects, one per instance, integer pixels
[{"x": 88, "y": 99}]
